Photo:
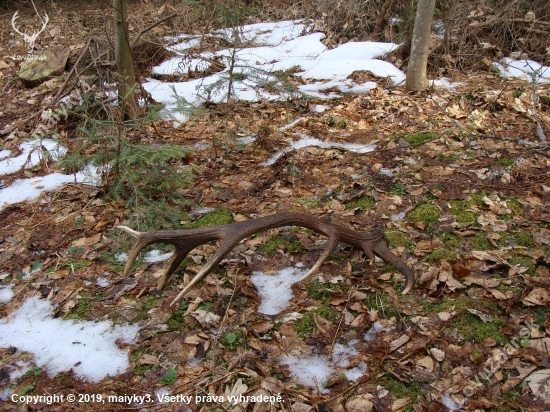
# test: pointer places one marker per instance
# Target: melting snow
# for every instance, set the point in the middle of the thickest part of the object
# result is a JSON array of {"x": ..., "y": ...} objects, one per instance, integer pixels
[
  {"x": 156, "y": 256},
  {"x": 273, "y": 47},
  {"x": 306, "y": 141},
  {"x": 275, "y": 289},
  {"x": 31, "y": 154},
  {"x": 6, "y": 293},
  {"x": 27, "y": 189},
  {"x": 88, "y": 348},
  {"x": 528, "y": 70},
  {"x": 150, "y": 257},
  {"x": 305, "y": 368},
  {"x": 375, "y": 330}
]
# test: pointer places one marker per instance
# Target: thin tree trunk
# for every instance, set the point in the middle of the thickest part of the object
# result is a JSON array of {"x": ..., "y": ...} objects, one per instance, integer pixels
[
  {"x": 382, "y": 21},
  {"x": 420, "y": 46},
  {"x": 124, "y": 61},
  {"x": 449, "y": 27}
]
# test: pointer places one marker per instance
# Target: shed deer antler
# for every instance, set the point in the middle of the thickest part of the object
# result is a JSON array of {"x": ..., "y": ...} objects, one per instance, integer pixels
[{"x": 184, "y": 241}]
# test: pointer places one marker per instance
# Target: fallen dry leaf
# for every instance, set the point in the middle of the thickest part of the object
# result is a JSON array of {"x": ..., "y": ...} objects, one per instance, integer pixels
[{"x": 538, "y": 296}]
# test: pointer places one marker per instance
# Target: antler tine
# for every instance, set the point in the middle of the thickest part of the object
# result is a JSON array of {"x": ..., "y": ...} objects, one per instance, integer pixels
[
  {"x": 331, "y": 245},
  {"x": 173, "y": 264},
  {"x": 139, "y": 244},
  {"x": 228, "y": 243}
]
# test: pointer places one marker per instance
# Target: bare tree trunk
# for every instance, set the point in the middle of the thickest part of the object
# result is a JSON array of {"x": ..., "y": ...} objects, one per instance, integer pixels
[
  {"x": 124, "y": 61},
  {"x": 418, "y": 60},
  {"x": 449, "y": 27},
  {"x": 382, "y": 20}
]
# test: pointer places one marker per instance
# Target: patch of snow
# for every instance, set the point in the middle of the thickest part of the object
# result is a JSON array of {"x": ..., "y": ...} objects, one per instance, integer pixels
[
  {"x": 446, "y": 83},
  {"x": 291, "y": 124},
  {"x": 275, "y": 289},
  {"x": 386, "y": 172},
  {"x": 251, "y": 138},
  {"x": 345, "y": 86},
  {"x": 449, "y": 403},
  {"x": 102, "y": 282},
  {"x": 4, "y": 153},
  {"x": 305, "y": 368},
  {"x": 527, "y": 70},
  {"x": 201, "y": 210},
  {"x": 88, "y": 348},
  {"x": 190, "y": 42},
  {"x": 122, "y": 257},
  {"x": 320, "y": 108},
  {"x": 341, "y": 354},
  {"x": 181, "y": 65},
  {"x": 376, "y": 328},
  {"x": 355, "y": 373},
  {"x": 273, "y": 47},
  {"x": 155, "y": 256},
  {"x": 306, "y": 141},
  {"x": 31, "y": 154},
  {"x": 6, "y": 293},
  {"x": 398, "y": 216},
  {"x": 18, "y": 369},
  {"x": 28, "y": 189}
]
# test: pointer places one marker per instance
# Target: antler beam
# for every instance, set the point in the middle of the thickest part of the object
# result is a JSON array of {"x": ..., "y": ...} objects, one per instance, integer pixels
[{"x": 184, "y": 241}]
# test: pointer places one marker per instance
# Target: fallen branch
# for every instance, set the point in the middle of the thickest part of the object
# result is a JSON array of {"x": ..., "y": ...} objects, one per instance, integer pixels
[{"x": 152, "y": 26}]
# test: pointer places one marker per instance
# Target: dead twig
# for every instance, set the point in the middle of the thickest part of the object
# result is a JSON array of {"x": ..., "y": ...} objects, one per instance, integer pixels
[{"x": 155, "y": 24}]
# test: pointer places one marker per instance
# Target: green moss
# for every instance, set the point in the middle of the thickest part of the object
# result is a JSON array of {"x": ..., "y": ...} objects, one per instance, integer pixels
[
  {"x": 83, "y": 308},
  {"x": 462, "y": 303},
  {"x": 418, "y": 138},
  {"x": 441, "y": 254},
  {"x": 381, "y": 303},
  {"x": 278, "y": 242},
  {"x": 424, "y": 212},
  {"x": 321, "y": 291},
  {"x": 506, "y": 288},
  {"x": 522, "y": 261},
  {"x": 541, "y": 315},
  {"x": 337, "y": 121},
  {"x": 305, "y": 326},
  {"x": 524, "y": 239},
  {"x": 451, "y": 240},
  {"x": 400, "y": 390},
  {"x": 473, "y": 329},
  {"x": 446, "y": 158},
  {"x": 233, "y": 339},
  {"x": 399, "y": 190},
  {"x": 479, "y": 242},
  {"x": 309, "y": 202},
  {"x": 134, "y": 359},
  {"x": 150, "y": 303},
  {"x": 176, "y": 320},
  {"x": 505, "y": 162},
  {"x": 398, "y": 239},
  {"x": 459, "y": 209},
  {"x": 363, "y": 203},
  {"x": 515, "y": 206},
  {"x": 217, "y": 217}
]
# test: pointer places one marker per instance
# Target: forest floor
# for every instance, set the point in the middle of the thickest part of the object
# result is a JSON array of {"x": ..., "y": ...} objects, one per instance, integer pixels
[{"x": 459, "y": 182}]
